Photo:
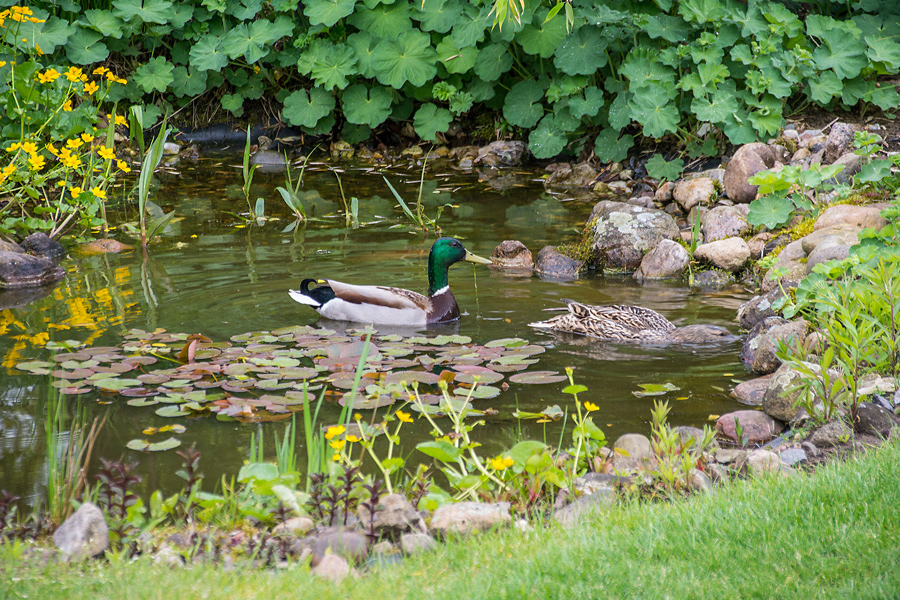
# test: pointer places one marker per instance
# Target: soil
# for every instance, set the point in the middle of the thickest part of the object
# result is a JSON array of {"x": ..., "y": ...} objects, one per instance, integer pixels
[{"x": 820, "y": 119}]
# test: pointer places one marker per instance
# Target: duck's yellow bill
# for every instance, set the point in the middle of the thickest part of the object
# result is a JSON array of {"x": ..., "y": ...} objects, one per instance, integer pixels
[{"x": 476, "y": 259}]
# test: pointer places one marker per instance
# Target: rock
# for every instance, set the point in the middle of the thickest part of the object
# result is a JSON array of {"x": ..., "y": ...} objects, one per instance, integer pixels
[
  {"x": 756, "y": 427},
  {"x": 39, "y": 244},
  {"x": 585, "y": 507},
  {"x": 872, "y": 384},
  {"x": 716, "y": 175},
  {"x": 700, "y": 482},
  {"x": 84, "y": 534},
  {"x": 758, "y": 352},
  {"x": 839, "y": 139},
  {"x": 350, "y": 545},
  {"x": 268, "y": 161},
  {"x": 512, "y": 254},
  {"x": 831, "y": 248},
  {"x": 724, "y": 222},
  {"x": 340, "y": 149},
  {"x": 852, "y": 164},
  {"x": 759, "y": 462},
  {"x": 171, "y": 149},
  {"x": 622, "y": 233},
  {"x": 665, "y": 192},
  {"x": 591, "y": 483},
  {"x": 668, "y": 259},
  {"x": 579, "y": 176},
  {"x": 104, "y": 246},
  {"x": 24, "y": 270},
  {"x": 793, "y": 456},
  {"x": 793, "y": 259},
  {"x": 10, "y": 247},
  {"x": 849, "y": 214},
  {"x": 729, "y": 254},
  {"x": 501, "y": 154},
  {"x": 689, "y": 194},
  {"x": 333, "y": 568},
  {"x": 631, "y": 451},
  {"x": 871, "y": 419},
  {"x": 749, "y": 160},
  {"x": 463, "y": 518},
  {"x": 845, "y": 233},
  {"x": 686, "y": 434},
  {"x": 554, "y": 265},
  {"x": 294, "y": 526},
  {"x": 414, "y": 543},
  {"x": 778, "y": 402},
  {"x": 712, "y": 280},
  {"x": 752, "y": 392},
  {"x": 393, "y": 515},
  {"x": 758, "y": 308},
  {"x": 835, "y": 433}
]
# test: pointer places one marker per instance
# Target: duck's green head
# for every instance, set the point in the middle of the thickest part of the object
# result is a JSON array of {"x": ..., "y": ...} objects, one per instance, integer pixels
[{"x": 445, "y": 252}]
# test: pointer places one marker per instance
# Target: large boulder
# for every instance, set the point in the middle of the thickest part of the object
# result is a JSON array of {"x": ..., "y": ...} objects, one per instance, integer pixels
[
  {"x": 469, "y": 517},
  {"x": 852, "y": 215},
  {"x": 758, "y": 352},
  {"x": 749, "y": 160},
  {"x": 513, "y": 255},
  {"x": 579, "y": 176},
  {"x": 756, "y": 427},
  {"x": 724, "y": 222},
  {"x": 350, "y": 545},
  {"x": 623, "y": 233},
  {"x": 394, "y": 515},
  {"x": 751, "y": 392},
  {"x": 781, "y": 398},
  {"x": 19, "y": 270},
  {"x": 39, "y": 244},
  {"x": 668, "y": 259},
  {"x": 758, "y": 308},
  {"x": 839, "y": 139},
  {"x": 84, "y": 534},
  {"x": 729, "y": 254},
  {"x": 632, "y": 451}
]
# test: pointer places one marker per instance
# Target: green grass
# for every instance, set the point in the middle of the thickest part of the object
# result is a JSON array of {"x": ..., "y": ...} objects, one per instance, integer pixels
[{"x": 833, "y": 534}]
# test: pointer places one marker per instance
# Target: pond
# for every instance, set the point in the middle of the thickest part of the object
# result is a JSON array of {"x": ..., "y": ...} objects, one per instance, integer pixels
[{"x": 213, "y": 273}]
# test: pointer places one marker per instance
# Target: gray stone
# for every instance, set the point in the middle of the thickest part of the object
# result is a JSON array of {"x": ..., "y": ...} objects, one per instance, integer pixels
[
  {"x": 270, "y": 161},
  {"x": 793, "y": 456},
  {"x": 759, "y": 462},
  {"x": 829, "y": 249},
  {"x": 700, "y": 482},
  {"x": 756, "y": 426},
  {"x": 294, "y": 526},
  {"x": 753, "y": 391},
  {"x": 580, "y": 175},
  {"x": 839, "y": 139},
  {"x": 585, "y": 508},
  {"x": 724, "y": 222},
  {"x": 333, "y": 568},
  {"x": 780, "y": 403},
  {"x": 852, "y": 164},
  {"x": 852, "y": 215},
  {"x": 835, "y": 433},
  {"x": 759, "y": 350},
  {"x": 622, "y": 233},
  {"x": 729, "y": 254},
  {"x": 668, "y": 259},
  {"x": 468, "y": 517},
  {"x": 712, "y": 279},
  {"x": 39, "y": 244},
  {"x": 686, "y": 433},
  {"x": 393, "y": 515},
  {"x": 631, "y": 451},
  {"x": 591, "y": 483},
  {"x": 690, "y": 193},
  {"x": 749, "y": 160},
  {"x": 760, "y": 308},
  {"x": 871, "y": 419},
  {"x": 551, "y": 264},
  {"x": 10, "y": 247},
  {"x": 512, "y": 254},
  {"x": 414, "y": 543},
  {"x": 24, "y": 270},
  {"x": 501, "y": 154},
  {"x": 84, "y": 534},
  {"x": 350, "y": 545},
  {"x": 665, "y": 192}
]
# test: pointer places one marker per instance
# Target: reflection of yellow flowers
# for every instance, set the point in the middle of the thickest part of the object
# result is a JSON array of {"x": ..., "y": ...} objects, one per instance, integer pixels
[
  {"x": 405, "y": 417},
  {"x": 590, "y": 406},
  {"x": 91, "y": 87},
  {"x": 36, "y": 162},
  {"x": 334, "y": 430},
  {"x": 500, "y": 462},
  {"x": 106, "y": 153},
  {"x": 337, "y": 444},
  {"x": 98, "y": 193},
  {"x": 123, "y": 166},
  {"x": 74, "y": 74}
]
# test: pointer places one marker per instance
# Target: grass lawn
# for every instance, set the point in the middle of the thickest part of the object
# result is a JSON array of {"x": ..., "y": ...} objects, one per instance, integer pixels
[{"x": 832, "y": 534}]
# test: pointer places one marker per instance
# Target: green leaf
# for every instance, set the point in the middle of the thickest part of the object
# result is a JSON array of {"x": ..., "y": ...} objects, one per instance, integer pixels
[
  {"x": 430, "y": 120},
  {"x": 492, "y": 61},
  {"x": 842, "y": 53},
  {"x": 327, "y": 12},
  {"x": 643, "y": 72},
  {"x": 188, "y": 82},
  {"x": 147, "y": 11},
  {"x": 437, "y": 15},
  {"x": 455, "y": 60},
  {"x": 461, "y": 102},
  {"x": 410, "y": 58},
  {"x": 106, "y": 23},
  {"x": 654, "y": 109},
  {"x": 885, "y": 97},
  {"x": 469, "y": 28},
  {"x": 884, "y": 51},
  {"x": 716, "y": 108},
  {"x": 208, "y": 54},
  {"x": 770, "y": 182},
  {"x": 655, "y": 389},
  {"x": 234, "y": 103},
  {"x": 547, "y": 140},
  {"x": 522, "y": 107},
  {"x": 588, "y": 104},
  {"x": 701, "y": 11},
  {"x": 85, "y": 47},
  {"x": 443, "y": 451},
  {"x": 364, "y": 43},
  {"x": 542, "y": 39},
  {"x": 306, "y": 108},
  {"x": 155, "y": 75},
  {"x": 386, "y": 21},
  {"x": 824, "y": 87},
  {"x": 366, "y": 106},
  {"x": 662, "y": 169},
  {"x": 671, "y": 29},
  {"x": 609, "y": 147},
  {"x": 583, "y": 52},
  {"x": 874, "y": 171},
  {"x": 772, "y": 211},
  {"x": 248, "y": 42},
  {"x": 331, "y": 70}
]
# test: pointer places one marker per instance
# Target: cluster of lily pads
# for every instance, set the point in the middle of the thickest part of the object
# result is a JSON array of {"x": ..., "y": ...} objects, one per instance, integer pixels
[{"x": 267, "y": 375}]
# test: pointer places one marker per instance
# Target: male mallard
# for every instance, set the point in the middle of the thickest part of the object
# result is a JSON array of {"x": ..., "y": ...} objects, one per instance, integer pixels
[
  {"x": 381, "y": 305},
  {"x": 628, "y": 323}
]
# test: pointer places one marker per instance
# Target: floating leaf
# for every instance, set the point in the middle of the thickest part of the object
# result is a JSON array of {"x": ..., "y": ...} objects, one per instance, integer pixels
[
  {"x": 538, "y": 377},
  {"x": 37, "y": 367},
  {"x": 171, "y": 411},
  {"x": 115, "y": 384},
  {"x": 506, "y": 343},
  {"x": 551, "y": 412},
  {"x": 480, "y": 392},
  {"x": 655, "y": 389}
]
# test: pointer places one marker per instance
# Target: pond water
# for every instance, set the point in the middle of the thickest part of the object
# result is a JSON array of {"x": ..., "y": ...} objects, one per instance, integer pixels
[{"x": 212, "y": 273}]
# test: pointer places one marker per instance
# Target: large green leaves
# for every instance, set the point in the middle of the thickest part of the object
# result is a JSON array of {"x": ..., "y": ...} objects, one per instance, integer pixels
[
  {"x": 385, "y": 20},
  {"x": 307, "y": 108},
  {"x": 86, "y": 47},
  {"x": 543, "y": 37},
  {"x": 548, "y": 139},
  {"x": 410, "y": 58},
  {"x": 438, "y": 15},
  {"x": 840, "y": 52},
  {"x": 610, "y": 147},
  {"x": 522, "y": 106},
  {"x": 430, "y": 120},
  {"x": 366, "y": 106},
  {"x": 654, "y": 108},
  {"x": 155, "y": 75},
  {"x": 582, "y": 53},
  {"x": 208, "y": 54},
  {"x": 329, "y": 64},
  {"x": 492, "y": 62},
  {"x": 327, "y": 12},
  {"x": 148, "y": 11},
  {"x": 454, "y": 59}
]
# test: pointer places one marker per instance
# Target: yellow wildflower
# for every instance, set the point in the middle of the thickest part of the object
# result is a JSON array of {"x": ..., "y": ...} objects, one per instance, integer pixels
[
  {"x": 67, "y": 107},
  {"x": 74, "y": 143},
  {"x": 88, "y": 138},
  {"x": 36, "y": 162},
  {"x": 13, "y": 147},
  {"x": 121, "y": 120},
  {"x": 590, "y": 406},
  {"x": 334, "y": 430},
  {"x": 352, "y": 439},
  {"x": 123, "y": 166},
  {"x": 98, "y": 193},
  {"x": 100, "y": 70},
  {"x": 2, "y": 63},
  {"x": 121, "y": 80},
  {"x": 336, "y": 457},
  {"x": 75, "y": 191},
  {"x": 49, "y": 76},
  {"x": 106, "y": 153},
  {"x": 405, "y": 417},
  {"x": 91, "y": 87},
  {"x": 36, "y": 46},
  {"x": 52, "y": 149},
  {"x": 501, "y": 463},
  {"x": 74, "y": 74},
  {"x": 29, "y": 147},
  {"x": 337, "y": 444}
]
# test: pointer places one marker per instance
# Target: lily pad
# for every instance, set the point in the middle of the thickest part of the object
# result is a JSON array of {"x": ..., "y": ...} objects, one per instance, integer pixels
[
  {"x": 116, "y": 384},
  {"x": 74, "y": 390},
  {"x": 139, "y": 392},
  {"x": 482, "y": 392},
  {"x": 485, "y": 376},
  {"x": 37, "y": 367},
  {"x": 142, "y": 402},
  {"x": 171, "y": 411},
  {"x": 655, "y": 389},
  {"x": 506, "y": 343},
  {"x": 361, "y": 402},
  {"x": 425, "y": 377},
  {"x": 538, "y": 377},
  {"x": 145, "y": 446},
  {"x": 153, "y": 378}
]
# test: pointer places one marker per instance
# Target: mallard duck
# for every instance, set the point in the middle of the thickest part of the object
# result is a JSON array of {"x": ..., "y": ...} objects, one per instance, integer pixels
[
  {"x": 628, "y": 323},
  {"x": 381, "y": 305}
]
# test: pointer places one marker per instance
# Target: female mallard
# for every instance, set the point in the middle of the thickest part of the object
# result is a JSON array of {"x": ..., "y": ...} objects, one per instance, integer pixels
[
  {"x": 630, "y": 324},
  {"x": 388, "y": 305}
]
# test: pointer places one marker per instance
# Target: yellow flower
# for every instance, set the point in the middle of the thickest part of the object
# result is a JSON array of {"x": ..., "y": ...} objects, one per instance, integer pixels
[
  {"x": 2, "y": 63},
  {"x": 8, "y": 170},
  {"x": 500, "y": 463},
  {"x": 590, "y": 406},
  {"x": 67, "y": 107},
  {"x": 36, "y": 162},
  {"x": 334, "y": 430},
  {"x": 352, "y": 439},
  {"x": 49, "y": 76},
  {"x": 74, "y": 74},
  {"x": 336, "y": 457},
  {"x": 75, "y": 191},
  {"x": 121, "y": 120},
  {"x": 91, "y": 87},
  {"x": 337, "y": 444},
  {"x": 88, "y": 138},
  {"x": 36, "y": 46},
  {"x": 71, "y": 161},
  {"x": 121, "y": 80},
  {"x": 29, "y": 147},
  {"x": 405, "y": 417},
  {"x": 98, "y": 193},
  {"x": 14, "y": 147},
  {"x": 52, "y": 149},
  {"x": 74, "y": 143},
  {"x": 100, "y": 70},
  {"x": 110, "y": 76},
  {"x": 123, "y": 166},
  {"x": 106, "y": 153}
]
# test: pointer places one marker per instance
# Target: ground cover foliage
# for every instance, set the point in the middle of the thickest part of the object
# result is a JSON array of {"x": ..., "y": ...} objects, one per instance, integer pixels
[
  {"x": 587, "y": 78},
  {"x": 827, "y": 534}
]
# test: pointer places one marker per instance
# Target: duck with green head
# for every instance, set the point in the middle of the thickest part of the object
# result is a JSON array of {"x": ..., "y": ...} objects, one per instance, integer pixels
[{"x": 382, "y": 305}]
